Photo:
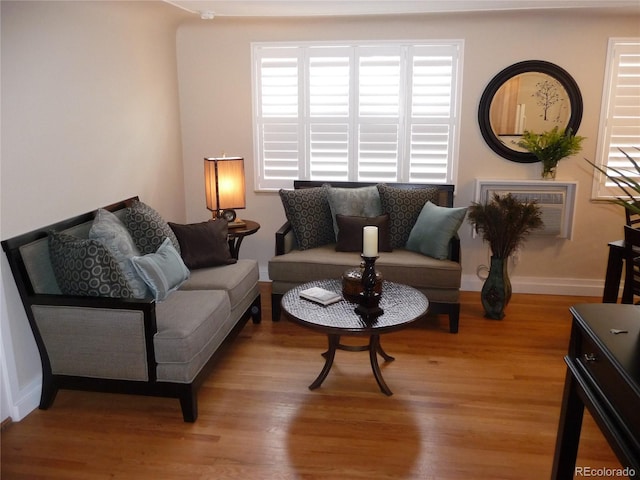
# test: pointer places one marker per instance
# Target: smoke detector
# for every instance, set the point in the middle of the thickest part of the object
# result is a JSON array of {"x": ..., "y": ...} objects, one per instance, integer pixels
[{"x": 207, "y": 15}]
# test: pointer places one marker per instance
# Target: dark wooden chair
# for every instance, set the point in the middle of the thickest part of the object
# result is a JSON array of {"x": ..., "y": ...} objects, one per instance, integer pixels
[
  {"x": 633, "y": 218},
  {"x": 632, "y": 264}
]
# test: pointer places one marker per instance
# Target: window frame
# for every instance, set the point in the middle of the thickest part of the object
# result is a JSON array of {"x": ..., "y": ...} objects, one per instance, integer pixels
[
  {"x": 408, "y": 50},
  {"x": 602, "y": 187}
]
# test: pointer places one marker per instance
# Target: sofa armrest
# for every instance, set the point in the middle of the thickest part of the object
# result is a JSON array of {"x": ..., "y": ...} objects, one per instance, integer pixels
[
  {"x": 454, "y": 249},
  {"x": 284, "y": 239},
  {"x": 95, "y": 336},
  {"x": 145, "y": 304}
]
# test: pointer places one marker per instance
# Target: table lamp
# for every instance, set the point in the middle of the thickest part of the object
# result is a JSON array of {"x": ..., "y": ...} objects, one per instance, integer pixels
[{"x": 224, "y": 188}]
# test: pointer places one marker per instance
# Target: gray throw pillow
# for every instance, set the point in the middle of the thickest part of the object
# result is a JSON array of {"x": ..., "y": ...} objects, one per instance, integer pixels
[
  {"x": 85, "y": 267},
  {"x": 404, "y": 207},
  {"x": 111, "y": 232},
  {"x": 204, "y": 244},
  {"x": 308, "y": 211},
  {"x": 354, "y": 202},
  {"x": 147, "y": 228}
]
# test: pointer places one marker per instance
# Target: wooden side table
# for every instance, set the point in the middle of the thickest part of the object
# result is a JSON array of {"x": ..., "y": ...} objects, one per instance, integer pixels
[{"x": 236, "y": 235}]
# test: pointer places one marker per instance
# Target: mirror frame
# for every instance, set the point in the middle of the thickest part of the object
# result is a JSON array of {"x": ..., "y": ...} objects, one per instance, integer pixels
[{"x": 559, "y": 74}]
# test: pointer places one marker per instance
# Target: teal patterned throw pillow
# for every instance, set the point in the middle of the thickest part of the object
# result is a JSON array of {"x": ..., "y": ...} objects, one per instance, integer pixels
[
  {"x": 404, "y": 206},
  {"x": 308, "y": 211},
  {"x": 85, "y": 267},
  {"x": 148, "y": 229}
]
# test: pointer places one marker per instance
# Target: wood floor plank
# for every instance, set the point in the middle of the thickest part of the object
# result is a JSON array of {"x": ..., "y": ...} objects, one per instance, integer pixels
[{"x": 482, "y": 404}]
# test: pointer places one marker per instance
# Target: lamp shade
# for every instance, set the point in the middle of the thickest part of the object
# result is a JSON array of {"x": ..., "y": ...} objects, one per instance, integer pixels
[{"x": 224, "y": 183}]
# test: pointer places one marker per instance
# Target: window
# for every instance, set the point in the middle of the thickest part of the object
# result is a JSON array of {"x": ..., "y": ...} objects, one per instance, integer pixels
[
  {"x": 620, "y": 114},
  {"x": 365, "y": 112}
]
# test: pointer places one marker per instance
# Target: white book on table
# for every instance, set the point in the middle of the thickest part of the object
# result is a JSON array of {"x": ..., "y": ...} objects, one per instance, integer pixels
[{"x": 320, "y": 295}]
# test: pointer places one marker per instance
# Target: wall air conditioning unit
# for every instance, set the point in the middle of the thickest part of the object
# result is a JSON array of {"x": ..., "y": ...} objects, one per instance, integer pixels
[{"x": 556, "y": 200}]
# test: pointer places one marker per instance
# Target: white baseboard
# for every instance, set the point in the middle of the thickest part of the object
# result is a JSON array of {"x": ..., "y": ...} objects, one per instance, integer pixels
[
  {"x": 28, "y": 400},
  {"x": 543, "y": 285}
]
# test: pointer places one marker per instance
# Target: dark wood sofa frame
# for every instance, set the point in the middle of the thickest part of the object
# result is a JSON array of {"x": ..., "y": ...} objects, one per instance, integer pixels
[
  {"x": 51, "y": 383},
  {"x": 450, "y": 309}
]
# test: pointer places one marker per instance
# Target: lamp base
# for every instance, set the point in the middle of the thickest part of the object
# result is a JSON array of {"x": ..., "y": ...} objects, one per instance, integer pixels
[{"x": 229, "y": 215}]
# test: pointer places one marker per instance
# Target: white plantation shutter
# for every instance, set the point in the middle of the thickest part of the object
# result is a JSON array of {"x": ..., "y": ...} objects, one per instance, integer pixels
[
  {"x": 620, "y": 115},
  {"x": 328, "y": 123},
  {"x": 434, "y": 116},
  {"x": 278, "y": 134},
  {"x": 355, "y": 112},
  {"x": 378, "y": 113}
]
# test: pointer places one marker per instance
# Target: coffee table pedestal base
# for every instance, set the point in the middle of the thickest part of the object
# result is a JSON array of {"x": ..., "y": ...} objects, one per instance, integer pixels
[{"x": 373, "y": 347}]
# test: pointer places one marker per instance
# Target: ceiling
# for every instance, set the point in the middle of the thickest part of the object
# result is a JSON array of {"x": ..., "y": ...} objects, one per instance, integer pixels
[{"x": 209, "y": 9}]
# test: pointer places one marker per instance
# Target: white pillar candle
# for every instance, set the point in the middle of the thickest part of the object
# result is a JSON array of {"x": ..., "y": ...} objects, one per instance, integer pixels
[{"x": 370, "y": 241}]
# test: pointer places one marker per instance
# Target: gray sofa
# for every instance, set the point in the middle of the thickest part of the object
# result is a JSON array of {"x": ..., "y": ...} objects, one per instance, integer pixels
[
  {"x": 438, "y": 278},
  {"x": 129, "y": 345}
]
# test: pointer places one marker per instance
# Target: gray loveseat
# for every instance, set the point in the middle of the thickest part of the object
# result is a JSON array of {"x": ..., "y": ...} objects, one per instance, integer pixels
[
  {"x": 438, "y": 278},
  {"x": 114, "y": 341}
]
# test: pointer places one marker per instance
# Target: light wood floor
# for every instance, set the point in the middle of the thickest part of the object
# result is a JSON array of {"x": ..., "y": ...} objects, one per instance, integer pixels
[{"x": 482, "y": 404}]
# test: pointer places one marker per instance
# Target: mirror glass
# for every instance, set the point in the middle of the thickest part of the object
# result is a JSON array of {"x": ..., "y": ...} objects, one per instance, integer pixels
[{"x": 535, "y": 96}]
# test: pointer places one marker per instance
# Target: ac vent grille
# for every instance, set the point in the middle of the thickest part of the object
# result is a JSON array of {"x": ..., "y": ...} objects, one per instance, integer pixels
[{"x": 555, "y": 199}]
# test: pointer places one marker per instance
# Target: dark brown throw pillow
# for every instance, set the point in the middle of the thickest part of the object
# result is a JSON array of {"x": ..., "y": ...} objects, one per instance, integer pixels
[
  {"x": 204, "y": 244},
  {"x": 350, "y": 232}
]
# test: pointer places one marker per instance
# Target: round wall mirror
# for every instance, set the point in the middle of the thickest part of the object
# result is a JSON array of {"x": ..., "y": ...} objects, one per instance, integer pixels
[{"x": 533, "y": 95}]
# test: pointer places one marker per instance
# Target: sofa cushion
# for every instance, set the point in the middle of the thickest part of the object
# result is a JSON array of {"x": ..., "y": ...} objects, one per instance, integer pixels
[
  {"x": 350, "y": 232},
  {"x": 309, "y": 213},
  {"x": 191, "y": 326},
  {"x": 147, "y": 228},
  {"x": 236, "y": 280},
  {"x": 353, "y": 202},
  {"x": 401, "y": 265},
  {"x": 111, "y": 232},
  {"x": 204, "y": 244},
  {"x": 163, "y": 271},
  {"x": 404, "y": 207},
  {"x": 434, "y": 228},
  {"x": 85, "y": 267}
]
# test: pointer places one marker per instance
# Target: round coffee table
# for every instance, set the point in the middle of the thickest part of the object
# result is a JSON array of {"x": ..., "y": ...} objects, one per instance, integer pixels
[{"x": 402, "y": 305}]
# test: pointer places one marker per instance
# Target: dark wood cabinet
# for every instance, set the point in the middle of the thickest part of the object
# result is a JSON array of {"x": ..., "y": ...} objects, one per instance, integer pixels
[{"x": 603, "y": 374}]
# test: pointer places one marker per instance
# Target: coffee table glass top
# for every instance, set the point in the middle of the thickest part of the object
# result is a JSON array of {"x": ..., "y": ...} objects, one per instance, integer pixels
[{"x": 402, "y": 304}]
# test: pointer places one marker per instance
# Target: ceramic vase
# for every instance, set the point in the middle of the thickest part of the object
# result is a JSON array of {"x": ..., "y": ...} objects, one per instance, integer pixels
[{"x": 496, "y": 291}]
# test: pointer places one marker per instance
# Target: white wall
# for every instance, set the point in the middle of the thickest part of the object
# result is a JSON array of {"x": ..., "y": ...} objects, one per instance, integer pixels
[
  {"x": 215, "y": 84},
  {"x": 89, "y": 117}
]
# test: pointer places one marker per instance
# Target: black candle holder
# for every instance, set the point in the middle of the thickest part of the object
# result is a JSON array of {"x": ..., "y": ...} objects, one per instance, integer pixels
[{"x": 369, "y": 300}]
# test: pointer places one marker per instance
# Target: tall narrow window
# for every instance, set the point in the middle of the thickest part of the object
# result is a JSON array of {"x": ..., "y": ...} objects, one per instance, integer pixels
[
  {"x": 620, "y": 114},
  {"x": 364, "y": 112}
]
